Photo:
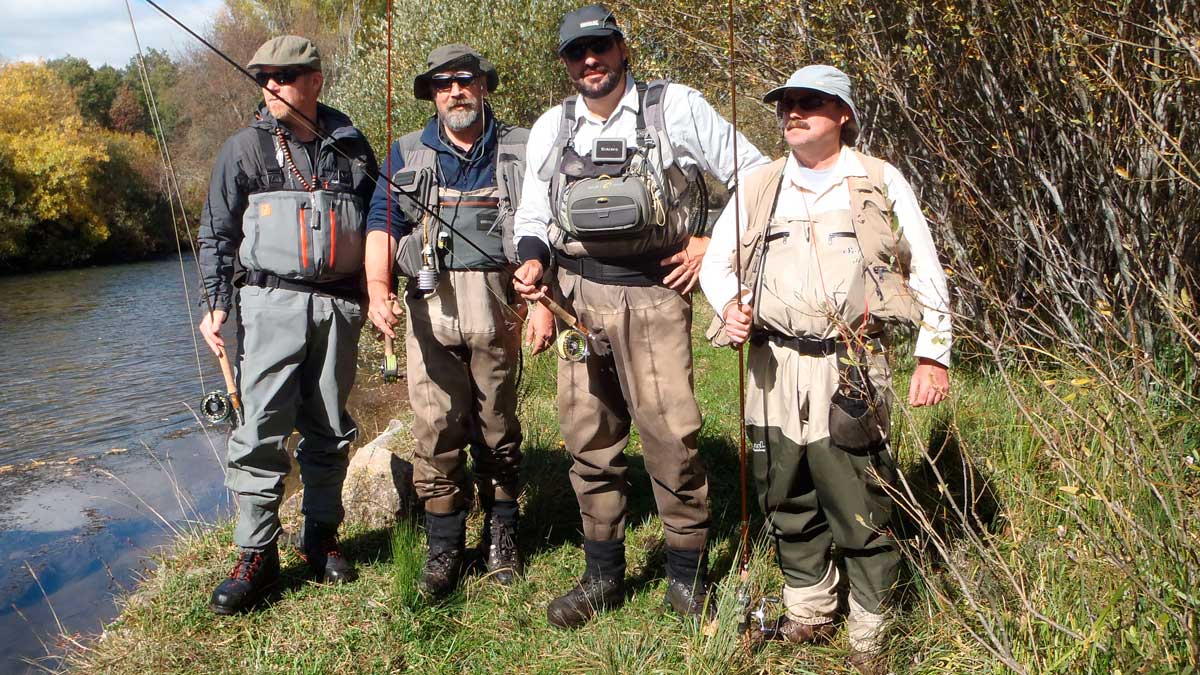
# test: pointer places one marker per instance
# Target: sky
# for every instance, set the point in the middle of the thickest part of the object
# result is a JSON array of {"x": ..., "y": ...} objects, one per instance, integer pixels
[{"x": 97, "y": 30}]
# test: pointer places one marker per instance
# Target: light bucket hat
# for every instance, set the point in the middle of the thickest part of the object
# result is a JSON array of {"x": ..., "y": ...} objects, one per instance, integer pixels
[{"x": 827, "y": 80}]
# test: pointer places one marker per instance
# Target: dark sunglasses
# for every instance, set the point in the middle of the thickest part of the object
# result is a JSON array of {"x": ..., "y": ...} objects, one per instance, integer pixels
[
  {"x": 280, "y": 76},
  {"x": 443, "y": 82},
  {"x": 808, "y": 102},
  {"x": 579, "y": 48}
]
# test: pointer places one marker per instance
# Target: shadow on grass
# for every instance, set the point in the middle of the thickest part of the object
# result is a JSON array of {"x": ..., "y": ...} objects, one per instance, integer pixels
[{"x": 952, "y": 495}]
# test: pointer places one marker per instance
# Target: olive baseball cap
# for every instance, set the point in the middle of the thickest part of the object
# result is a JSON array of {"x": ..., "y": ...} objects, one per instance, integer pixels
[
  {"x": 287, "y": 50},
  {"x": 827, "y": 80},
  {"x": 448, "y": 57},
  {"x": 591, "y": 21}
]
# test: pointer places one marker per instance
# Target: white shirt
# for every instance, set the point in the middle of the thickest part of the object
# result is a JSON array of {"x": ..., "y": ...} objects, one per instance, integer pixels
[
  {"x": 928, "y": 279},
  {"x": 699, "y": 136}
]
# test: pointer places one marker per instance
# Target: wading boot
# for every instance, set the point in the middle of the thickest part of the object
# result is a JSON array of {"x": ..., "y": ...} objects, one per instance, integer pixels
[
  {"x": 869, "y": 663},
  {"x": 687, "y": 590},
  {"x": 320, "y": 549},
  {"x": 499, "y": 544},
  {"x": 446, "y": 535},
  {"x": 254, "y": 573},
  {"x": 602, "y": 586},
  {"x": 803, "y": 633}
]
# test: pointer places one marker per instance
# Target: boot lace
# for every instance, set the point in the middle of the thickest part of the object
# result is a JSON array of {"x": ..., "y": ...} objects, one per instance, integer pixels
[{"x": 246, "y": 566}]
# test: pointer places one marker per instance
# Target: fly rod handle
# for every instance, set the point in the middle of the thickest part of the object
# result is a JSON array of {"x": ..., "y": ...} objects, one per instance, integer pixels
[
  {"x": 230, "y": 384},
  {"x": 563, "y": 315}
]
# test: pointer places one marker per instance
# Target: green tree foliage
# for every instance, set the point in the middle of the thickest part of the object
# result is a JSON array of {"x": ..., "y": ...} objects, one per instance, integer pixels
[{"x": 94, "y": 89}]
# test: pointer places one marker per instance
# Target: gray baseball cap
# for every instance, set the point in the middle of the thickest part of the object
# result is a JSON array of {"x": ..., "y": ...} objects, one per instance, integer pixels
[
  {"x": 827, "y": 80},
  {"x": 455, "y": 56},
  {"x": 287, "y": 50},
  {"x": 590, "y": 21}
]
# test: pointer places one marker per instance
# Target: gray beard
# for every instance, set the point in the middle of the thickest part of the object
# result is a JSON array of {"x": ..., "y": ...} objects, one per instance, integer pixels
[{"x": 458, "y": 120}]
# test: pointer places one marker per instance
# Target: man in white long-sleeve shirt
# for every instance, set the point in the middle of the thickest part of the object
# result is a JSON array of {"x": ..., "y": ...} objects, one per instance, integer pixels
[
  {"x": 833, "y": 249},
  {"x": 610, "y": 188}
]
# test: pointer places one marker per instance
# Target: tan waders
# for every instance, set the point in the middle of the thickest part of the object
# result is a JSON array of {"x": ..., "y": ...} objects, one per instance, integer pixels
[
  {"x": 816, "y": 490},
  {"x": 463, "y": 346},
  {"x": 647, "y": 380}
]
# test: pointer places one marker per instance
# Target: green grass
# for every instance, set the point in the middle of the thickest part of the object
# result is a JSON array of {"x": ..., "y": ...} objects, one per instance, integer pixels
[{"x": 1040, "y": 545}]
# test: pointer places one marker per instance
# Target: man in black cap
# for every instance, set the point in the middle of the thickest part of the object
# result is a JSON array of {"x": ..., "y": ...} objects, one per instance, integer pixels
[
  {"x": 612, "y": 191},
  {"x": 288, "y": 201},
  {"x": 451, "y": 220}
]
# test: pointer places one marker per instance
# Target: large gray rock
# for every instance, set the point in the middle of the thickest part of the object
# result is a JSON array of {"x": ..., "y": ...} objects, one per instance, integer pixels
[{"x": 378, "y": 488}]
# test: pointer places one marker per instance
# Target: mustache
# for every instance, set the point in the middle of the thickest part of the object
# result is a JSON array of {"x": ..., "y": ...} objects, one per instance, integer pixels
[
  {"x": 598, "y": 70},
  {"x": 787, "y": 124}
]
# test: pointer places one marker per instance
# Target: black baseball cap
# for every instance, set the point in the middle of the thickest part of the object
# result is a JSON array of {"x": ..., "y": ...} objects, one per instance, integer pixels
[{"x": 591, "y": 21}]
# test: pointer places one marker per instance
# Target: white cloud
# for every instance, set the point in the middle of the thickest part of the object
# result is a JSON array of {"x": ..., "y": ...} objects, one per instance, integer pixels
[{"x": 97, "y": 30}]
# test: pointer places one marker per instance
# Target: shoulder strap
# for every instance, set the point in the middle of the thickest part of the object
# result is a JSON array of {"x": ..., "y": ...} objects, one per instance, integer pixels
[
  {"x": 874, "y": 167},
  {"x": 273, "y": 178}
]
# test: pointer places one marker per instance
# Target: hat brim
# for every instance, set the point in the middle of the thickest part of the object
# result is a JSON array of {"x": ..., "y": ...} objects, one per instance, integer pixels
[
  {"x": 423, "y": 86},
  {"x": 598, "y": 32},
  {"x": 778, "y": 92}
]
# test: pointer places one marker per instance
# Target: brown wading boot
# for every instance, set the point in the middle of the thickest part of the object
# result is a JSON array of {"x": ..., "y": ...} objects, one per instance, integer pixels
[
  {"x": 446, "y": 534},
  {"x": 687, "y": 590},
  {"x": 601, "y": 588},
  {"x": 320, "y": 549},
  {"x": 254, "y": 573},
  {"x": 499, "y": 544},
  {"x": 803, "y": 633},
  {"x": 869, "y": 663}
]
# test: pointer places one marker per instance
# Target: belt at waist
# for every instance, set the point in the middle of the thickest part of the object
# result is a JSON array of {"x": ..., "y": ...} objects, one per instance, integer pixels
[
  {"x": 349, "y": 289},
  {"x": 642, "y": 270},
  {"x": 808, "y": 346}
]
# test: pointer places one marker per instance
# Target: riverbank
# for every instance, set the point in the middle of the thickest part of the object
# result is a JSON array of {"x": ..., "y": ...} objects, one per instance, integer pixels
[{"x": 987, "y": 498}]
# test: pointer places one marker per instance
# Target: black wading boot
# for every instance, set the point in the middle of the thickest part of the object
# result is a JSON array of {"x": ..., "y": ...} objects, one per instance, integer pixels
[
  {"x": 601, "y": 588},
  {"x": 499, "y": 543},
  {"x": 446, "y": 535},
  {"x": 319, "y": 548},
  {"x": 252, "y": 575},
  {"x": 687, "y": 589}
]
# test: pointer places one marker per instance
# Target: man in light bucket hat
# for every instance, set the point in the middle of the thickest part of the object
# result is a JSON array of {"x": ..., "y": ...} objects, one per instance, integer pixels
[{"x": 834, "y": 249}]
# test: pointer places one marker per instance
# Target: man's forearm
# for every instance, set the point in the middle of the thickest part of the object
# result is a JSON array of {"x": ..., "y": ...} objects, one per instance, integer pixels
[{"x": 381, "y": 247}]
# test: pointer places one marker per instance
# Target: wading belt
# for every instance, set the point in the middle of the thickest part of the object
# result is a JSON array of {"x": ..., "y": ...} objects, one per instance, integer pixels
[
  {"x": 640, "y": 270},
  {"x": 806, "y": 346},
  {"x": 347, "y": 289}
]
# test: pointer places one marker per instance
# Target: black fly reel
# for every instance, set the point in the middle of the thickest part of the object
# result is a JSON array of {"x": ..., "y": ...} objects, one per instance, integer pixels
[{"x": 216, "y": 407}]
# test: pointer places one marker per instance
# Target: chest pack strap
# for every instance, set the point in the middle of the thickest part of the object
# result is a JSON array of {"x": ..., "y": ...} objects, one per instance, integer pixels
[{"x": 272, "y": 178}]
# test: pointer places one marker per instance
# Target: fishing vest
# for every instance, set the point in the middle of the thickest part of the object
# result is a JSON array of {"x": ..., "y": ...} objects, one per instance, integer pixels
[
  {"x": 886, "y": 256},
  {"x": 312, "y": 234},
  {"x": 606, "y": 210},
  {"x": 484, "y": 216}
]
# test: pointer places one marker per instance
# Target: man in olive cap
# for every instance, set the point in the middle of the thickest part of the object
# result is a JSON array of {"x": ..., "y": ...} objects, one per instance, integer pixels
[
  {"x": 287, "y": 203},
  {"x": 459, "y": 181},
  {"x": 825, "y": 272},
  {"x": 611, "y": 196}
]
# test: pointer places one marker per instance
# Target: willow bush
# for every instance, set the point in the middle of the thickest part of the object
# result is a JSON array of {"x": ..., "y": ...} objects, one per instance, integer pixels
[{"x": 1050, "y": 145}]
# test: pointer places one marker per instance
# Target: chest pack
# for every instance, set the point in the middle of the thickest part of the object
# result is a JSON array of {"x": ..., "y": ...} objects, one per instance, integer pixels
[
  {"x": 303, "y": 221},
  {"x": 483, "y": 216},
  {"x": 618, "y": 201}
]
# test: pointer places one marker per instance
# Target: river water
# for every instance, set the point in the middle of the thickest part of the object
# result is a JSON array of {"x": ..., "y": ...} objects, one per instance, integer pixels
[{"x": 101, "y": 459}]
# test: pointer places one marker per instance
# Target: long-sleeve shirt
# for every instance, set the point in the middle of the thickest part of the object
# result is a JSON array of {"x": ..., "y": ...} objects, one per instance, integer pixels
[
  {"x": 796, "y": 200},
  {"x": 699, "y": 137}
]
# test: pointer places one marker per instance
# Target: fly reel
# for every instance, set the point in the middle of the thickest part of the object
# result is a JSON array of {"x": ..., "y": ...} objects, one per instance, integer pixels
[
  {"x": 571, "y": 345},
  {"x": 216, "y": 407},
  {"x": 390, "y": 369}
]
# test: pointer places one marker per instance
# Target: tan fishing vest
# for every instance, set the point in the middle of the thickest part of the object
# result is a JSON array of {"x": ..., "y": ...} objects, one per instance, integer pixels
[{"x": 865, "y": 278}]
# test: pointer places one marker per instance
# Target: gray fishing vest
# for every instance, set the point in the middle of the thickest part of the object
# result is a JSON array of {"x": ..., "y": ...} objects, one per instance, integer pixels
[
  {"x": 642, "y": 206},
  {"x": 484, "y": 216},
  {"x": 302, "y": 235}
]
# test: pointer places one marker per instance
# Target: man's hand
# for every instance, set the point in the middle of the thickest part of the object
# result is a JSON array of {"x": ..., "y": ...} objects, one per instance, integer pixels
[
  {"x": 683, "y": 278},
  {"x": 210, "y": 328},
  {"x": 737, "y": 319},
  {"x": 930, "y": 384},
  {"x": 539, "y": 329},
  {"x": 526, "y": 280},
  {"x": 385, "y": 312}
]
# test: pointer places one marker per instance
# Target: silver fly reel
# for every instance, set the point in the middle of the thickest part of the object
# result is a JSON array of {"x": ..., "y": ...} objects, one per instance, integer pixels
[{"x": 571, "y": 345}]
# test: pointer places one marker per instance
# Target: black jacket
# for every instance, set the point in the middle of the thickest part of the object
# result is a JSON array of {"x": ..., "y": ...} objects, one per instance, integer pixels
[{"x": 240, "y": 169}]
